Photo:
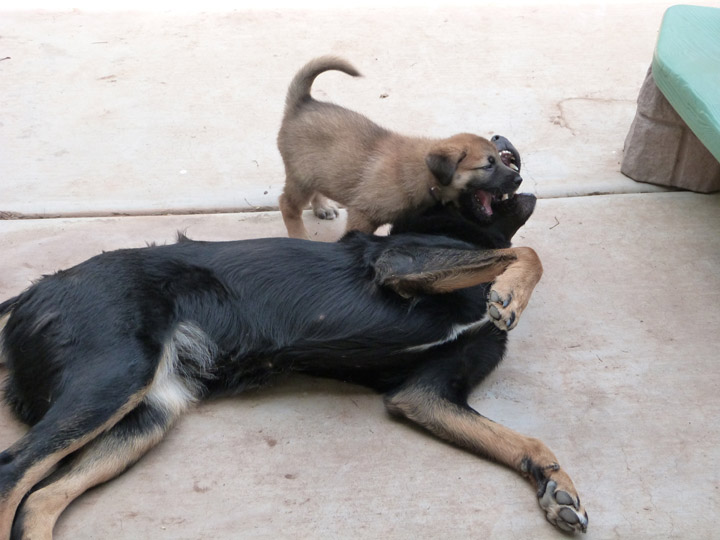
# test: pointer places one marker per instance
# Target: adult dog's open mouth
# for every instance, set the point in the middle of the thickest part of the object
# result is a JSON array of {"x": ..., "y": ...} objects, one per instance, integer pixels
[
  {"x": 508, "y": 158},
  {"x": 485, "y": 201}
]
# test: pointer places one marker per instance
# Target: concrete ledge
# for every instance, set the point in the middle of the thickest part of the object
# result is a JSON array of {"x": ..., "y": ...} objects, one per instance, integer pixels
[{"x": 614, "y": 366}]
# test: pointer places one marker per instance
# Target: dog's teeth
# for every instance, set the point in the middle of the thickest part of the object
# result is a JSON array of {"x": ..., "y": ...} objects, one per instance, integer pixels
[
  {"x": 505, "y": 197},
  {"x": 514, "y": 167}
]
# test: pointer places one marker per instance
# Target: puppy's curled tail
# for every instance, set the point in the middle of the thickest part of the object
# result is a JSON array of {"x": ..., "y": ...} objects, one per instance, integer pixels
[{"x": 299, "y": 90}]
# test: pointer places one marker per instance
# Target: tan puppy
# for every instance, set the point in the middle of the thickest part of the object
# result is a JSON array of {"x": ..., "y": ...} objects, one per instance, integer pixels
[{"x": 332, "y": 152}]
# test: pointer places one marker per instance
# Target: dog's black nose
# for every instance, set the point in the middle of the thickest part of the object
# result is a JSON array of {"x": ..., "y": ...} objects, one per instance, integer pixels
[{"x": 517, "y": 180}]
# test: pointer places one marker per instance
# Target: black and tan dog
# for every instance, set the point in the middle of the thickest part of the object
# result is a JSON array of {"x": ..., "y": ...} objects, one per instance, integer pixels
[
  {"x": 105, "y": 356},
  {"x": 379, "y": 175}
]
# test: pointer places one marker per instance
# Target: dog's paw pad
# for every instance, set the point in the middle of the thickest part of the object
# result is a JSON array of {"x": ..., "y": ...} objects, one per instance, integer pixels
[
  {"x": 326, "y": 212},
  {"x": 562, "y": 509},
  {"x": 500, "y": 311}
]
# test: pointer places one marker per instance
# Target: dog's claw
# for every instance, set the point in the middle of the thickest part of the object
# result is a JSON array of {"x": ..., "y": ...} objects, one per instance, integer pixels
[
  {"x": 562, "y": 509},
  {"x": 503, "y": 318},
  {"x": 495, "y": 297}
]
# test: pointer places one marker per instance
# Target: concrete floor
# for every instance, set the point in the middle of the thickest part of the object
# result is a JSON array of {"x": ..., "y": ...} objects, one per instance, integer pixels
[{"x": 122, "y": 116}]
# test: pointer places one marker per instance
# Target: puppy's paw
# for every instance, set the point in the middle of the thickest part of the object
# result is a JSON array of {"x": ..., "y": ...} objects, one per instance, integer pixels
[
  {"x": 562, "y": 506},
  {"x": 502, "y": 309},
  {"x": 326, "y": 211}
]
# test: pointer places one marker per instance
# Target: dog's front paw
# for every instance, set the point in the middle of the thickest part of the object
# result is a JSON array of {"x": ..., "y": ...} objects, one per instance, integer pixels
[
  {"x": 562, "y": 507},
  {"x": 501, "y": 309}
]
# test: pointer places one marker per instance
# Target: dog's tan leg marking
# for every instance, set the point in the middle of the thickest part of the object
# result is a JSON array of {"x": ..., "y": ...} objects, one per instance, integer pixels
[
  {"x": 528, "y": 456},
  {"x": 37, "y": 471},
  {"x": 102, "y": 459},
  {"x": 291, "y": 202},
  {"x": 511, "y": 290},
  {"x": 323, "y": 207},
  {"x": 357, "y": 221}
]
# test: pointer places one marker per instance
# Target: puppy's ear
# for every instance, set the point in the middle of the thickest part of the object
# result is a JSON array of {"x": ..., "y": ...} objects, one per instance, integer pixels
[
  {"x": 416, "y": 270},
  {"x": 444, "y": 161}
]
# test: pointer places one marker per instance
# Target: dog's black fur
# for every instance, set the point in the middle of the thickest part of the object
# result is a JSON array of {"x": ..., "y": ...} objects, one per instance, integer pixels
[
  {"x": 267, "y": 306},
  {"x": 206, "y": 318}
]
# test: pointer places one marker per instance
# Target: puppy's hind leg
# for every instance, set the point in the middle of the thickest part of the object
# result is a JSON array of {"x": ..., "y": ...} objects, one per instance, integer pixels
[
  {"x": 323, "y": 208},
  {"x": 292, "y": 201},
  {"x": 456, "y": 422},
  {"x": 357, "y": 221},
  {"x": 102, "y": 459}
]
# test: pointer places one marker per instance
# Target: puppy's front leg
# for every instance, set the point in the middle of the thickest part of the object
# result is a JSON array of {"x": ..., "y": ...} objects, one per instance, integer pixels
[
  {"x": 511, "y": 290},
  {"x": 462, "y": 425}
]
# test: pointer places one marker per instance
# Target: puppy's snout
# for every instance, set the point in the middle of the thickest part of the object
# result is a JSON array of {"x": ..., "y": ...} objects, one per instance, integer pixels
[{"x": 517, "y": 180}]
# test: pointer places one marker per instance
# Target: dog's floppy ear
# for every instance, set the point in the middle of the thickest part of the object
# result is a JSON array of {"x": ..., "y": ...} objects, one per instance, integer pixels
[
  {"x": 420, "y": 270},
  {"x": 444, "y": 161}
]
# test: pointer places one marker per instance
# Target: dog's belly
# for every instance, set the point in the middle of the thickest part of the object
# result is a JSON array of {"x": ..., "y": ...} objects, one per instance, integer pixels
[{"x": 380, "y": 364}]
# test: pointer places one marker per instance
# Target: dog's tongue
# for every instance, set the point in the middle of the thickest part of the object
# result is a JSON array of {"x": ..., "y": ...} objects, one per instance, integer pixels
[{"x": 485, "y": 199}]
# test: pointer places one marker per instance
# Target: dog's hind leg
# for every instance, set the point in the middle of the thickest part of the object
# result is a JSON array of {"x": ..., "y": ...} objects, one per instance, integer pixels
[
  {"x": 463, "y": 426},
  {"x": 71, "y": 422},
  {"x": 173, "y": 388},
  {"x": 105, "y": 457}
]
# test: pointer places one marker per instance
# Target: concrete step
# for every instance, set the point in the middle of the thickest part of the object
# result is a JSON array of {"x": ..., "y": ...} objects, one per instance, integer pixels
[{"x": 614, "y": 366}]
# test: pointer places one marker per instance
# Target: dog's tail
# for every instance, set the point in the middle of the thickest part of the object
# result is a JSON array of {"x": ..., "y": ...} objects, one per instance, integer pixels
[
  {"x": 7, "y": 306},
  {"x": 5, "y": 310},
  {"x": 299, "y": 90}
]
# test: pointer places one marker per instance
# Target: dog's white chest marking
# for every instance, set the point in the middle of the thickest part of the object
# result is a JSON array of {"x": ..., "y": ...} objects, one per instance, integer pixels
[{"x": 455, "y": 331}]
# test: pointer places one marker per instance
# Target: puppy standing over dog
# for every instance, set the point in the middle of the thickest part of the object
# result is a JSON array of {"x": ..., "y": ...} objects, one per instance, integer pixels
[
  {"x": 103, "y": 357},
  {"x": 332, "y": 152}
]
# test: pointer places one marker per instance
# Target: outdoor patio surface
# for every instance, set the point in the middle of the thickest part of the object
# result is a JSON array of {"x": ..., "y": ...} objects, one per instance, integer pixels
[{"x": 121, "y": 128}]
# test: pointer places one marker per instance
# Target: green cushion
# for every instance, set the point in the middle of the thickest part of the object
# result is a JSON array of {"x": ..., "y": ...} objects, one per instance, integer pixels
[{"x": 686, "y": 69}]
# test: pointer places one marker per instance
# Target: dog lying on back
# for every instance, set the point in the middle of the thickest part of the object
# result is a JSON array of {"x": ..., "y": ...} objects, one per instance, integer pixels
[
  {"x": 103, "y": 357},
  {"x": 379, "y": 175}
]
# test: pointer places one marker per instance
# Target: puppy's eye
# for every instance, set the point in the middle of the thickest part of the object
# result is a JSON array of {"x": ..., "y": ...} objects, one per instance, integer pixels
[{"x": 491, "y": 163}]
